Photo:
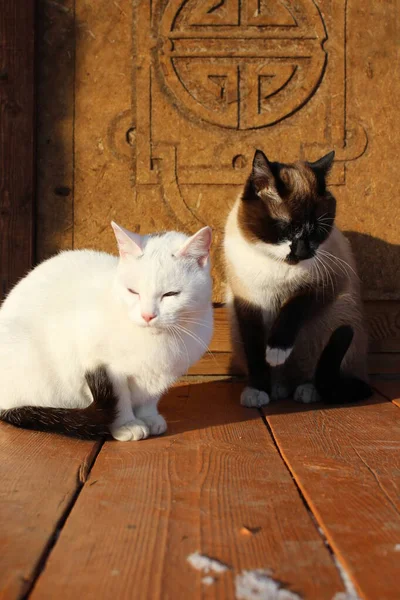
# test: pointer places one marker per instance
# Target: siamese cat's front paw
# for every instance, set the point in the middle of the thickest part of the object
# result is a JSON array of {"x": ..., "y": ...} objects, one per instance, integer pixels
[
  {"x": 130, "y": 432},
  {"x": 253, "y": 398},
  {"x": 306, "y": 393},
  {"x": 277, "y": 356},
  {"x": 280, "y": 391},
  {"x": 157, "y": 424}
]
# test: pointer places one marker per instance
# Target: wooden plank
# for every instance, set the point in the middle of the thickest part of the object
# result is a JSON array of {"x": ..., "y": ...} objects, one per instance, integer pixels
[
  {"x": 346, "y": 461},
  {"x": 385, "y": 363},
  {"x": 148, "y": 505},
  {"x": 383, "y": 318},
  {"x": 40, "y": 474},
  {"x": 215, "y": 363},
  {"x": 220, "y": 363},
  {"x": 390, "y": 388},
  {"x": 16, "y": 140}
]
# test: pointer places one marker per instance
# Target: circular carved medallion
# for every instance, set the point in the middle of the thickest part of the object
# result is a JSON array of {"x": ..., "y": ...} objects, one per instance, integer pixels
[{"x": 242, "y": 64}]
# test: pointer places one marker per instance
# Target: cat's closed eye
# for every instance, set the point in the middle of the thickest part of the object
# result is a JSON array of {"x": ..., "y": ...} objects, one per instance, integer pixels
[
  {"x": 133, "y": 292},
  {"x": 170, "y": 294}
]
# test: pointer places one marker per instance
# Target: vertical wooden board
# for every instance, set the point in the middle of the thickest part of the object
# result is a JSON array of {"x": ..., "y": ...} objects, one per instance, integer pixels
[
  {"x": 382, "y": 320},
  {"x": 172, "y": 97},
  {"x": 55, "y": 118},
  {"x": 390, "y": 388},
  {"x": 346, "y": 461},
  {"x": 147, "y": 506},
  {"x": 16, "y": 140},
  {"x": 104, "y": 128},
  {"x": 39, "y": 475},
  {"x": 385, "y": 363}
]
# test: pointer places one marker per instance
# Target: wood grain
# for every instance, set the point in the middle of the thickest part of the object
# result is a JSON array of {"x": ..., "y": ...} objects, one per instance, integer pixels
[
  {"x": 56, "y": 34},
  {"x": 384, "y": 363},
  {"x": 390, "y": 388},
  {"x": 346, "y": 461},
  {"x": 16, "y": 140},
  {"x": 39, "y": 474},
  {"x": 383, "y": 321},
  {"x": 220, "y": 363},
  {"x": 148, "y": 505}
]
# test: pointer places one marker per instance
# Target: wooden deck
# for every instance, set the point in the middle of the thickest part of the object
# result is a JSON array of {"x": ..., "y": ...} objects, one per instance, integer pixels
[{"x": 311, "y": 495}]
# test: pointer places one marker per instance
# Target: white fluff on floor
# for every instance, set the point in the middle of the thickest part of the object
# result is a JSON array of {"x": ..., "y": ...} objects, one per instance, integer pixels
[{"x": 259, "y": 585}]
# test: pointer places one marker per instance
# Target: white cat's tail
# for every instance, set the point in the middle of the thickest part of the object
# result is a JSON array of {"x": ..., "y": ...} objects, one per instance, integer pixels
[{"x": 91, "y": 422}]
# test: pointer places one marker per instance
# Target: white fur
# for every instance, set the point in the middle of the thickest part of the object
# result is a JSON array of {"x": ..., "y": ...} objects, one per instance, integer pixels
[
  {"x": 277, "y": 356},
  {"x": 257, "y": 268},
  {"x": 74, "y": 312}
]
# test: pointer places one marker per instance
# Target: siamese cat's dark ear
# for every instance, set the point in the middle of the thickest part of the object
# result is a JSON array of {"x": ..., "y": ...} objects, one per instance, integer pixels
[
  {"x": 263, "y": 177},
  {"x": 324, "y": 164}
]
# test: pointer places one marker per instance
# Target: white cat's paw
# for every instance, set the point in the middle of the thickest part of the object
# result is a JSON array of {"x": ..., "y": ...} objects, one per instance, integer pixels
[
  {"x": 306, "y": 393},
  {"x": 277, "y": 356},
  {"x": 156, "y": 424},
  {"x": 253, "y": 398},
  {"x": 130, "y": 432}
]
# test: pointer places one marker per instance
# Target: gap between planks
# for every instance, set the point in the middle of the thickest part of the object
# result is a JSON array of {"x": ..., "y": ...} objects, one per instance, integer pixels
[
  {"x": 342, "y": 570},
  {"x": 82, "y": 477},
  {"x": 344, "y": 462},
  {"x": 214, "y": 472}
]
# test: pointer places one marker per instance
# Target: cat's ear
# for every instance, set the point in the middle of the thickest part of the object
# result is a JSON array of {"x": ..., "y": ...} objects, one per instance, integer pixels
[
  {"x": 197, "y": 246},
  {"x": 324, "y": 164},
  {"x": 129, "y": 244},
  {"x": 263, "y": 177}
]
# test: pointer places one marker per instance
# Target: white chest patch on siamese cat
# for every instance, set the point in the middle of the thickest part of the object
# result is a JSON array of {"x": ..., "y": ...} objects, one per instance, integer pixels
[
  {"x": 293, "y": 291},
  {"x": 90, "y": 342}
]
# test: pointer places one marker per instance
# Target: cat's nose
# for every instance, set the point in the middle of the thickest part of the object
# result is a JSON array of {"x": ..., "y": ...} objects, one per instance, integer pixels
[
  {"x": 301, "y": 250},
  {"x": 148, "y": 317}
]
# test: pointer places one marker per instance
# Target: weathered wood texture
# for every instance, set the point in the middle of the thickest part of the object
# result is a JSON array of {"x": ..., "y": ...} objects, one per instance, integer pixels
[
  {"x": 388, "y": 388},
  {"x": 39, "y": 474},
  {"x": 148, "y": 505},
  {"x": 170, "y": 99},
  {"x": 382, "y": 319},
  {"x": 56, "y": 32},
  {"x": 16, "y": 140},
  {"x": 346, "y": 461}
]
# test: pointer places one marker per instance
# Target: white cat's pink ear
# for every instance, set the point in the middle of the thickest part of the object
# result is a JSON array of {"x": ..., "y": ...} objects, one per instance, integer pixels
[
  {"x": 129, "y": 244},
  {"x": 197, "y": 246}
]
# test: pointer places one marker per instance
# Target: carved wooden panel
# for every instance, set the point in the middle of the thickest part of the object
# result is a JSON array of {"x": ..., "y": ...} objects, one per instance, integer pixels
[{"x": 171, "y": 97}]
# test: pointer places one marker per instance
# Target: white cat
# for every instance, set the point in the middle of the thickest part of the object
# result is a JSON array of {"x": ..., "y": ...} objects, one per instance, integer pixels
[{"x": 90, "y": 342}]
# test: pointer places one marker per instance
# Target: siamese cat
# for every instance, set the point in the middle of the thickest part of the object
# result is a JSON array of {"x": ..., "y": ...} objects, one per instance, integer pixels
[{"x": 293, "y": 290}]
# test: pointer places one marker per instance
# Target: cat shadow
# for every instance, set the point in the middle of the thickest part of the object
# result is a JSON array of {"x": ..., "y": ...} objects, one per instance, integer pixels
[
  {"x": 378, "y": 264},
  {"x": 216, "y": 404}
]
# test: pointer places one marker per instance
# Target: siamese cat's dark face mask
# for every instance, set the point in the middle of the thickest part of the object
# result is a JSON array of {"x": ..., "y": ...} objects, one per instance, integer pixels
[{"x": 288, "y": 206}]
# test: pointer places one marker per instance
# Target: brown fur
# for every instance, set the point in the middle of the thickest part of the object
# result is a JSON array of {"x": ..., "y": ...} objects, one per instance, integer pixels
[{"x": 289, "y": 198}]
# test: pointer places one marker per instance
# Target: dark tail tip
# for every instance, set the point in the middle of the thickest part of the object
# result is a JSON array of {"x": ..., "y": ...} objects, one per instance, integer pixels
[
  {"x": 88, "y": 423},
  {"x": 332, "y": 385}
]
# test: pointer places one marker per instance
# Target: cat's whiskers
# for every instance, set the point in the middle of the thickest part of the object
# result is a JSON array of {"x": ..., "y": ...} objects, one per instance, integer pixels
[
  {"x": 176, "y": 331},
  {"x": 319, "y": 278},
  {"x": 341, "y": 264},
  {"x": 195, "y": 337},
  {"x": 326, "y": 270},
  {"x": 331, "y": 264},
  {"x": 341, "y": 261}
]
